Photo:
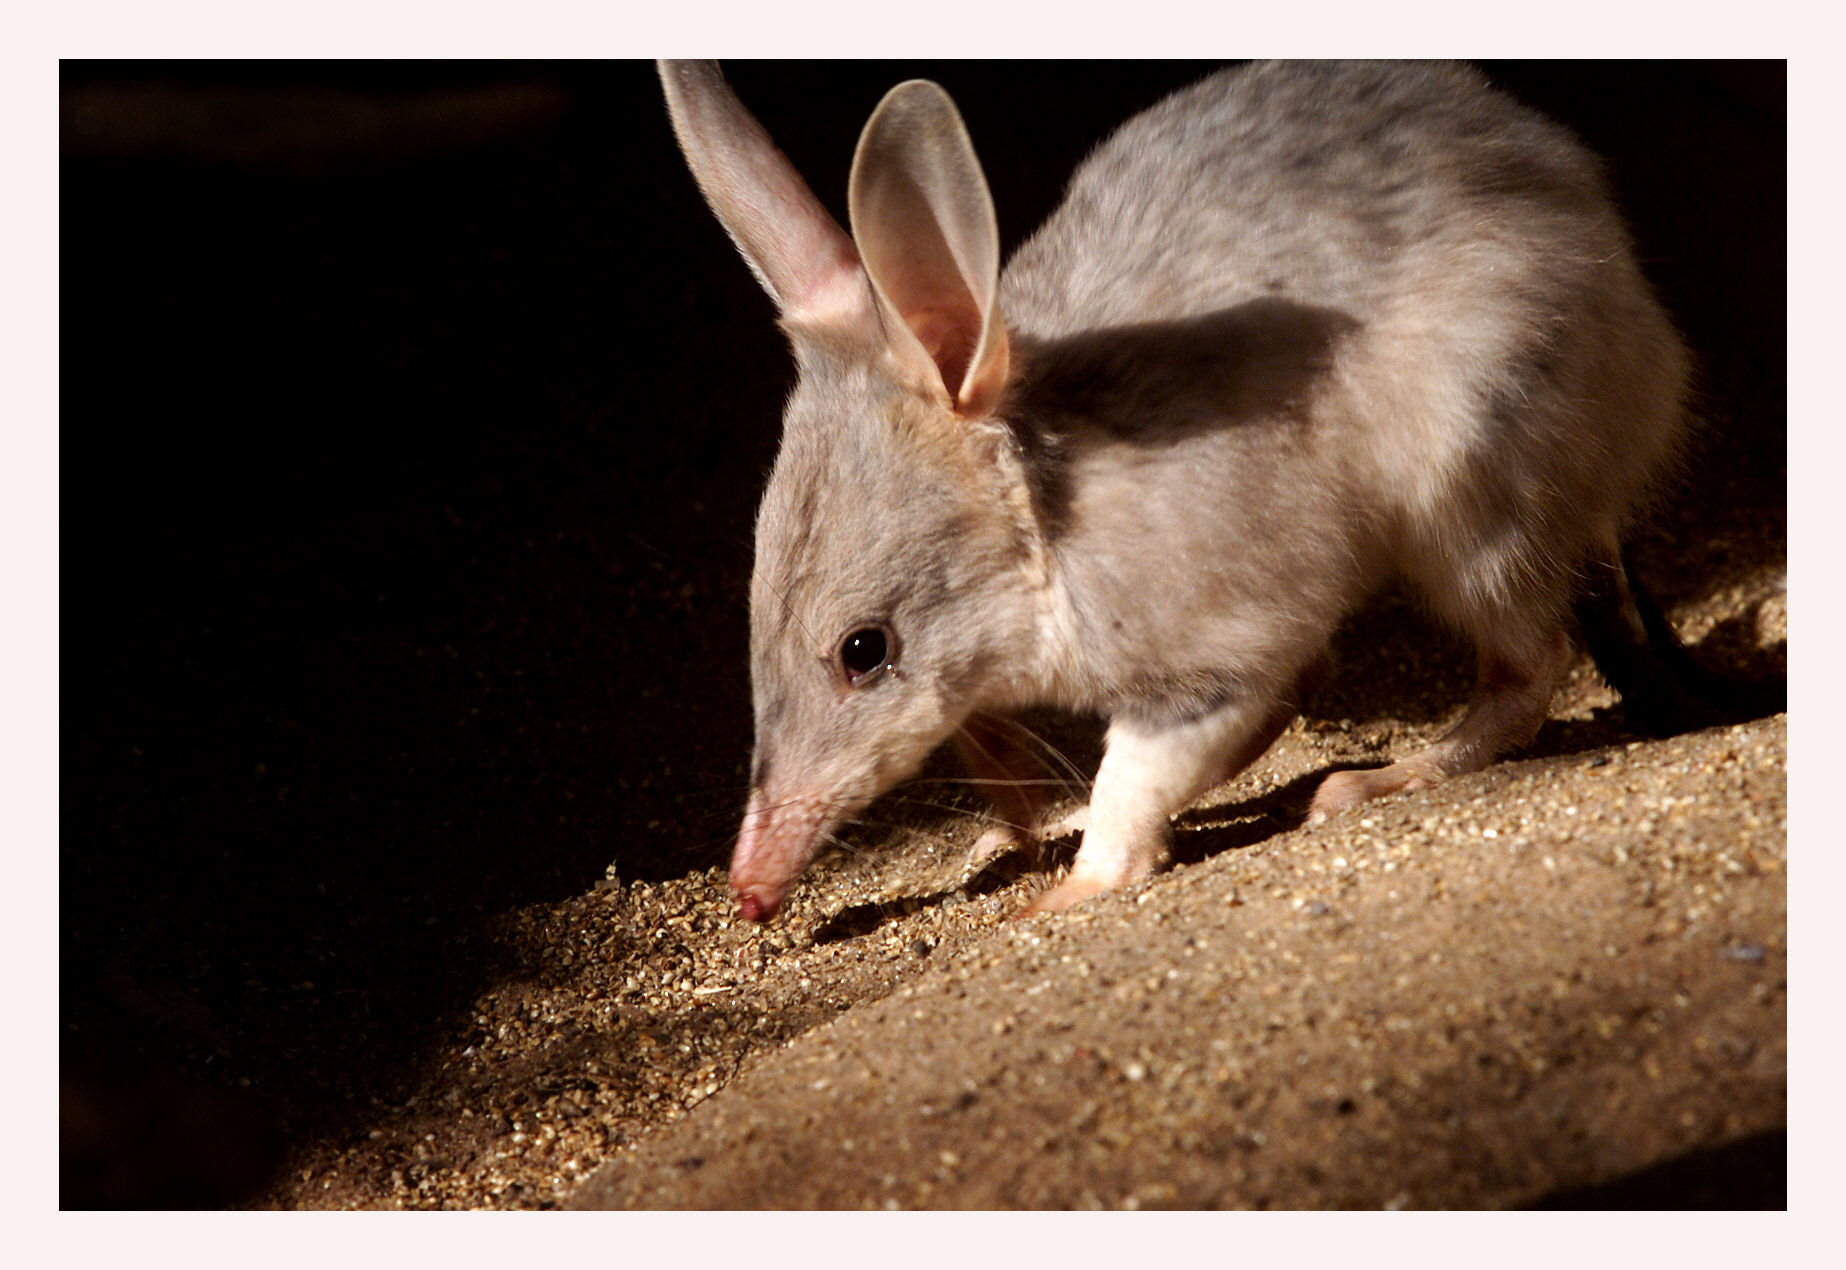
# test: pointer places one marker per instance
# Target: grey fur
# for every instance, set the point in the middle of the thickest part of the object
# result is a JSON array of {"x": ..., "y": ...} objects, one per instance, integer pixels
[{"x": 1295, "y": 331}]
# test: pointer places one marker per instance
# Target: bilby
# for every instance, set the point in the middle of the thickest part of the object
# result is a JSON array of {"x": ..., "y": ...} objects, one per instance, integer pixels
[{"x": 1295, "y": 332}]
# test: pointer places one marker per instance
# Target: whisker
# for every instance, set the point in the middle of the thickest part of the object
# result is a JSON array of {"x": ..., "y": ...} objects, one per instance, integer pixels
[
  {"x": 788, "y": 608},
  {"x": 1047, "y": 782},
  {"x": 983, "y": 814},
  {"x": 1058, "y": 759},
  {"x": 640, "y": 541}
]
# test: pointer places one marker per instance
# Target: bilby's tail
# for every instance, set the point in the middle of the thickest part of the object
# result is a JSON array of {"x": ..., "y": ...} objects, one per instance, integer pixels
[{"x": 1664, "y": 689}]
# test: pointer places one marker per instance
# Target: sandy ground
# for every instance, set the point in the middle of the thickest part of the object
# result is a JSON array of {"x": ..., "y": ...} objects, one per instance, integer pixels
[
  {"x": 1552, "y": 978},
  {"x": 1561, "y": 981},
  {"x": 407, "y": 724}
]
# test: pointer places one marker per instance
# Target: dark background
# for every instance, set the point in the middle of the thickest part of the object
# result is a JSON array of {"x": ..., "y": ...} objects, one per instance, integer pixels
[{"x": 417, "y": 417}]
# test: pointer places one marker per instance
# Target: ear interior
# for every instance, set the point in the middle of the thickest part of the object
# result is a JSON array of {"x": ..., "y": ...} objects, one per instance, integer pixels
[{"x": 924, "y": 224}]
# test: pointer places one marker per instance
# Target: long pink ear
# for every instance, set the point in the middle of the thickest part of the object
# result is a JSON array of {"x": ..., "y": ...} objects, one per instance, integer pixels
[
  {"x": 797, "y": 251},
  {"x": 924, "y": 223}
]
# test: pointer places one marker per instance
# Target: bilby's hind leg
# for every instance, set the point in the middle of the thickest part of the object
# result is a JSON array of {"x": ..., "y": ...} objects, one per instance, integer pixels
[
  {"x": 1512, "y": 695},
  {"x": 1149, "y": 772}
]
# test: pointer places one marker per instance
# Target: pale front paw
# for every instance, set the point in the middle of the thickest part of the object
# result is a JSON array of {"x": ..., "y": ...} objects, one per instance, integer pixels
[
  {"x": 1072, "y": 890},
  {"x": 994, "y": 842},
  {"x": 1068, "y": 825}
]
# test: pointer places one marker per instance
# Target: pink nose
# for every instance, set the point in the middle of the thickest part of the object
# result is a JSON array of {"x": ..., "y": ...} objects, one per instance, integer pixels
[
  {"x": 760, "y": 871},
  {"x": 753, "y": 909}
]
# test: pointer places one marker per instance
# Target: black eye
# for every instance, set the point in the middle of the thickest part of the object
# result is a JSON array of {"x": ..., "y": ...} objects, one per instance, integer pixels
[{"x": 863, "y": 652}]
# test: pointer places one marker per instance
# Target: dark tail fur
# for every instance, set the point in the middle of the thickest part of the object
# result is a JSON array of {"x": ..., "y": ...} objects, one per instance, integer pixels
[{"x": 1664, "y": 690}]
